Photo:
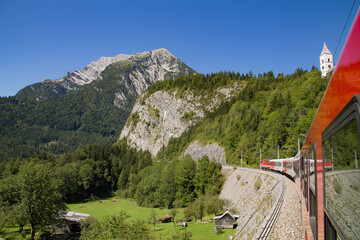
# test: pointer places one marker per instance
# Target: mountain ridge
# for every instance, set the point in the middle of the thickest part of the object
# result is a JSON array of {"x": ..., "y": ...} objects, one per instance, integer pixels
[{"x": 75, "y": 79}]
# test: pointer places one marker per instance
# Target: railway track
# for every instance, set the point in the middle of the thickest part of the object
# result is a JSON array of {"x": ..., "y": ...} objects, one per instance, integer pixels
[
  {"x": 271, "y": 220},
  {"x": 261, "y": 223}
]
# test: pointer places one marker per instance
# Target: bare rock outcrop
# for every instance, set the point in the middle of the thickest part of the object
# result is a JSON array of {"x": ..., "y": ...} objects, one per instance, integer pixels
[
  {"x": 157, "y": 118},
  {"x": 162, "y": 116},
  {"x": 214, "y": 152}
]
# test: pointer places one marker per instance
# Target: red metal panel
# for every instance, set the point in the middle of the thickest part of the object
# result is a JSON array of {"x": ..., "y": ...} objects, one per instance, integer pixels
[{"x": 344, "y": 84}]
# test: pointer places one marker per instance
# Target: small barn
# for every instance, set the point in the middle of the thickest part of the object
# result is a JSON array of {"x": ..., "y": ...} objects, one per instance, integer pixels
[
  {"x": 226, "y": 220},
  {"x": 71, "y": 222},
  {"x": 164, "y": 219}
]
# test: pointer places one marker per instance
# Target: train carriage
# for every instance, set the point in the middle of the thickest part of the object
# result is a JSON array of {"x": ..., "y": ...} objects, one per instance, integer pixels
[
  {"x": 276, "y": 165},
  {"x": 285, "y": 165},
  {"x": 265, "y": 164},
  {"x": 328, "y": 169}
]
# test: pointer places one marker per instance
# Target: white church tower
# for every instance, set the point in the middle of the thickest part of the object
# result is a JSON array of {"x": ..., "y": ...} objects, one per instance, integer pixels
[{"x": 326, "y": 61}]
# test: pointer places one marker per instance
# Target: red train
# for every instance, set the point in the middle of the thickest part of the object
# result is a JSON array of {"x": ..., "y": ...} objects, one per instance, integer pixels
[
  {"x": 285, "y": 165},
  {"x": 265, "y": 164},
  {"x": 327, "y": 169},
  {"x": 328, "y": 172}
]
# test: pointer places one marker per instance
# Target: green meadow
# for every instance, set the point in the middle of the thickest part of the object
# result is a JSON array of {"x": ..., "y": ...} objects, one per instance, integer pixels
[{"x": 102, "y": 208}]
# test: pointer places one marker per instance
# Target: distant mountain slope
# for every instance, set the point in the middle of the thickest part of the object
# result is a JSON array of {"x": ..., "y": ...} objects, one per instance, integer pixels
[
  {"x": 167, "y": 64},
  {"x": 91, "y": 113},
  {"x": 253, "y": 113}
]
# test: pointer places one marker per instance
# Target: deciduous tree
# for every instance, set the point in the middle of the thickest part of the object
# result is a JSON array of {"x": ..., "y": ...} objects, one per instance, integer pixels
[{"x": 39, "y": 197}]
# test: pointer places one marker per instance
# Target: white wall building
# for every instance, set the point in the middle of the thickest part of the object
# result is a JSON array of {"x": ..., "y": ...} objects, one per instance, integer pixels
[{"x": 326, "y": 61}]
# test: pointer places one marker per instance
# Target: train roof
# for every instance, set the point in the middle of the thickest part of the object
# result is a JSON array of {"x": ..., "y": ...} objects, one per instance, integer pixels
[{"x": 283, "y": 159}]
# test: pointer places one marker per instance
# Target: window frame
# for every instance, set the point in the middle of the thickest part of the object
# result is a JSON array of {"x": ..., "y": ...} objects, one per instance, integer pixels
[
  {"x": 312, "y": 148},
  {"x": 306, "y": 179}
]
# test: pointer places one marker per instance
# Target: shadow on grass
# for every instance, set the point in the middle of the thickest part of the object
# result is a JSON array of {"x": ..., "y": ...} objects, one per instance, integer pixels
[{"x": 157, "y": 229}]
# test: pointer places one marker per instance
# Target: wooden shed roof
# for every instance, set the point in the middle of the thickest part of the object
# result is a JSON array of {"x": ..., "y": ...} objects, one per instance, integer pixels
[
  {"x": 73, "y": 216},
  {"x": 235, "y": 216}
]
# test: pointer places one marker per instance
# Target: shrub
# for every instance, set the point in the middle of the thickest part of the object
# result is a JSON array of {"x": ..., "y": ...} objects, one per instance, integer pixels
[
  {"x": 257, "y": 184},
  {"x": 337, "y": 186},
  {"x": 217, "y": 230}
]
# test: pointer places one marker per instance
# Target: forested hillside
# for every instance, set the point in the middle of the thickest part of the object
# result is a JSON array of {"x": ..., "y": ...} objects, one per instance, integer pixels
[
  {"x": 62, "y": 124},
  {"x": 269, "y": 112}
]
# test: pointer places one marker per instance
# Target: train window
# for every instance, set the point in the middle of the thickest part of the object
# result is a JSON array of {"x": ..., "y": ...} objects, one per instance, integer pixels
[
  {"x": 312, "y": 164},
  {"x": 312, "y": 186},
  {"x": 330, "y": 231},
  {"x": 341, "y": 173},
  {"x": 302, "y": 174}
]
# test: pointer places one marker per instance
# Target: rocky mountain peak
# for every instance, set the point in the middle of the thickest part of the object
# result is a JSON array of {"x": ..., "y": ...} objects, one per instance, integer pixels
[
  {"x": 142, "y": 69},
  {"x": 93, "y": 70}
]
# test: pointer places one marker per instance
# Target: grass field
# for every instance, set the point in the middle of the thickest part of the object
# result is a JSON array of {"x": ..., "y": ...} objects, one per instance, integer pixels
[{"x": 100, "y": 209}]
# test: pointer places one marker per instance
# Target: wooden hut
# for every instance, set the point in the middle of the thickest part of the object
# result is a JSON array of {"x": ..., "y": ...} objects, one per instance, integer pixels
[
  {"x": 226, "y": 220},
  {"x": 164, "y": 219},
  {"x": 71, "y": 222}
]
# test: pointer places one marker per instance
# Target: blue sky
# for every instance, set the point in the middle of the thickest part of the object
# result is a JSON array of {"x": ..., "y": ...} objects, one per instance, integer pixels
[{"x": 46, "y": 39}]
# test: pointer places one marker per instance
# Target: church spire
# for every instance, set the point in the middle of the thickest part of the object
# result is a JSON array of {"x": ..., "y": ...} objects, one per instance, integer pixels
[
  {"x": 326, "y": 61},
  {"x": 325, "y": 50}
]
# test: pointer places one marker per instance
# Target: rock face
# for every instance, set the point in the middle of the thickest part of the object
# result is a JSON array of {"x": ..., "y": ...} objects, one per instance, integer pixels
[
  {"x": 157, "y": 118},
  {"x": 197, "y": 150},
  {"x": 162, "y": 116},
  {"x": 135, "y": 72},
  {"x": 92, "y": 71}
]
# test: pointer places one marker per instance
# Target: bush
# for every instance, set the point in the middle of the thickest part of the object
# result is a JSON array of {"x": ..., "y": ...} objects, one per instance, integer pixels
[
  {"x": 92, "y": 198},
  {"x": 337, "y": 186},
  {"x": 116, "y": 226},
  {"x": 182, "y": 236},
  {"x": 257, "y": 184},
  {"x": 217, "y": 230}
]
